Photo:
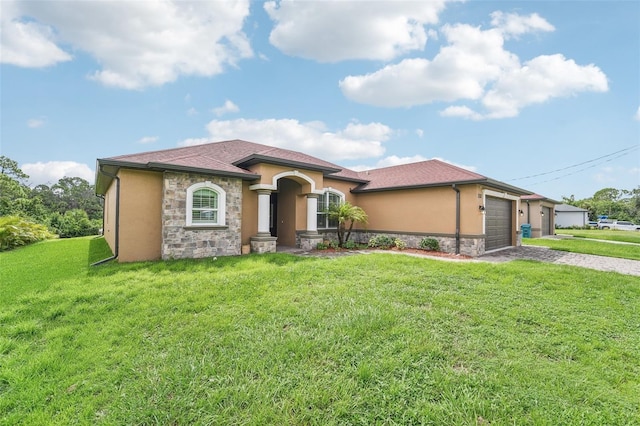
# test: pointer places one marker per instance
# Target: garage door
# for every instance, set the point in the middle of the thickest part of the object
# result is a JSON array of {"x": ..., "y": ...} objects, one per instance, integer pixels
[
  {"x": 497, "y": 223},
  {"x": 546, "y": 221}
]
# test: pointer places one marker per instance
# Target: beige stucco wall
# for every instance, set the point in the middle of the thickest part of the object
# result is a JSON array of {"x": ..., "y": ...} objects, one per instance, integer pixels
[
  {"x": 425, "y": 210},
  {"x": 109, "y": 216},
  {"x": 342, "y": 186},
  {"x": 140, "y": 215},
  {"x": 532, "y": 216},
  {"x": 268, "y": 171}
]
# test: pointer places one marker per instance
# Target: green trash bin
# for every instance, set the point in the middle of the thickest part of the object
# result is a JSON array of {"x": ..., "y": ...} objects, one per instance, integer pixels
[{"x": 526, "y": 230}]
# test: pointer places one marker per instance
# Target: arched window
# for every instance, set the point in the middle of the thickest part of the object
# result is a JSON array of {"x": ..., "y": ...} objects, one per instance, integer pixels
[
  {"x": 326, "y": 200},
  {"x": 206, "y": 205}
]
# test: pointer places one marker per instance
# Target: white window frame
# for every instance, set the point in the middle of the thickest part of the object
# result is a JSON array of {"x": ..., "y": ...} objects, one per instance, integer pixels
[
  {"x": 322, "y": 208},
  {"x": 222, "y": 203}
]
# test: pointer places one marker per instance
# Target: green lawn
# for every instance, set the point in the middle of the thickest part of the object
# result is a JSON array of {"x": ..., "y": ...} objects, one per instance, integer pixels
[
  {"x": 280, "y": 339},
  {"x": 582, "y": 245},
  {"x": 601, "y": 234}
]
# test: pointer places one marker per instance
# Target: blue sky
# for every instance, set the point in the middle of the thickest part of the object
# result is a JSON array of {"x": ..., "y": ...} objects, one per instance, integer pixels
[{"x": 544, "y": 95}]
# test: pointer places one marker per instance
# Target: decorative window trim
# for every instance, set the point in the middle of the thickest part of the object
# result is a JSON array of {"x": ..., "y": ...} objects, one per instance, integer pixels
[
  {"x": 321, "y": 208},
  {"x": 222, "y": 204}
]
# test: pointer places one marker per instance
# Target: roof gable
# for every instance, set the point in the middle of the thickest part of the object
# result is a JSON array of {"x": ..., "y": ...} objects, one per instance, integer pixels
[
  {"x": 232, "y": 158},
  {"x": 424, "y": 173}
]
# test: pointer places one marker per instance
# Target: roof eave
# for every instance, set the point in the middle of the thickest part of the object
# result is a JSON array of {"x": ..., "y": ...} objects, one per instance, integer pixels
[
  {"x": 507, "y": 187},
  {"x": 488, "y": 182},
  {"x": 104, "y": 177},
  {"x": 257, "y": 158},
  {"x": 425, "y": 185},
  {"x": 212, "y": 172}
]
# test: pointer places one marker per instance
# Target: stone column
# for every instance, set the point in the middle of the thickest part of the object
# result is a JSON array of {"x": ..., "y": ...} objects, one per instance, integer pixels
[
  {"x": 264, "y": 200},
  {"x": 312, "y": 213},
  {"x": 263, "y": 242},
  {"x": 310, "y": 239}
]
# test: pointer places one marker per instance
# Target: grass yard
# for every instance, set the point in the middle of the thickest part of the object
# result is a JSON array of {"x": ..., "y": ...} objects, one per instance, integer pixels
[
  {"x": 586, "y": 246},
  {"x": 280, "y": 339},
  {"x": 602, "y": 234}
]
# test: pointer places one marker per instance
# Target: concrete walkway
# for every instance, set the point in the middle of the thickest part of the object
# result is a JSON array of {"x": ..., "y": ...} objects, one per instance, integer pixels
[{"x": 545, "y": 254}]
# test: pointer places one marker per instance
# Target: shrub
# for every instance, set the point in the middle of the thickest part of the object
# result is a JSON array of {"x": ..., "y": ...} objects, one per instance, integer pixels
[
  {"x": 322, "y": 246},
  {"x": 400, "y": 244},
  {"x": 429, "y": 244},
  {"x": 381, "y": 241},
  {"x": 350, "y": 245},
  {"x": 74, "y": 223},
  {"x": 334, "y": 244},
  {"x": 16, "y": 232}
]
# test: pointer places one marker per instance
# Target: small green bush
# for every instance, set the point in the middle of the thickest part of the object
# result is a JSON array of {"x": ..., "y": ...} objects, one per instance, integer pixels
[
  {"x": 334, "y": 244},
  {"x": 381, "y": 241},
  {"x": 400, "y": 244},
  {"x": 16, "y": 231},
  {"x": 322, "y": 246},
  {"x": 350, "y": 245},
  {"x": 429, "y": 244}
]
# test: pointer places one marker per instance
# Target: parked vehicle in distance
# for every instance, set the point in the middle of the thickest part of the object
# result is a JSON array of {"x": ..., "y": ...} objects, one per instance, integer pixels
[
  {"x": 592, "y": 224},
  {"x": 622, "y": 225}
]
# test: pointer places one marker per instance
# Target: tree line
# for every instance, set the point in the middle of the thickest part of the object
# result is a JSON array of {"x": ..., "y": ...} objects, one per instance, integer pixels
[
  {"x": 614, "y": 203},
  {"x": 68, "y": 208}
]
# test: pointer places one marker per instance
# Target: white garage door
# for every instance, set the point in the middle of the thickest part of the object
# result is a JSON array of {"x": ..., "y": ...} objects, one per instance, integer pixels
[{"x": 497, "y": 223}]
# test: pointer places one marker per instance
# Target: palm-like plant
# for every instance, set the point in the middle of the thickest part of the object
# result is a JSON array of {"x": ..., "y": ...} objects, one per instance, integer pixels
[{"x": 344, "y": 214}]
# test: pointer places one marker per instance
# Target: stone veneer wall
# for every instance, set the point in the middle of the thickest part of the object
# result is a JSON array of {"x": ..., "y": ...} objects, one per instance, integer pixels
[
  {"x": 470, "y": 246},
  {"x": 182, "y": 242}
]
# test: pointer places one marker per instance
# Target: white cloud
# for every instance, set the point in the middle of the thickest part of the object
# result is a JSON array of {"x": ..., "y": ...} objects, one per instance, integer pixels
[
  {"x": 52, "y": 171},
  {"x": 355, "y": 141},
  {"x": 34, "y": 123},
  {"x": 138, "y": 44},
  {"x": 473, "y": 65},
  {"x": 542, "y": 78},
  {"x": 26, "y": 43},
  {"x": 460, "y": 111},
  {"x": 460, "y": 70},
  {"x": 420, "y": 133},
  {"x": 512, "y": 24},
  {"x": 228, "y": 107},
  {"x": 192, "y": 111},
  {"x": 637, "y": 116},
  {"x": 148, "y": 139},
  {"x": 332, "y": 31}
]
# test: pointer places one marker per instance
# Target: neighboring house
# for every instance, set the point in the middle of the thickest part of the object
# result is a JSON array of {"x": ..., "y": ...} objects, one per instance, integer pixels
[
  {"x": 230, "y": 197},
  {"x": 568, "y": 216},
  {"x": 539, "y": 212}
]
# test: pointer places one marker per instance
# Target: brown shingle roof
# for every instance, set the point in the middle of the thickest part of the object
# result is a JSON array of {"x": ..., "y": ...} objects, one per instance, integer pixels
[
  {"x": 538, "y": 197},
  {"x": 424, "y": 173},
  {"x": 232, "y": 158}
]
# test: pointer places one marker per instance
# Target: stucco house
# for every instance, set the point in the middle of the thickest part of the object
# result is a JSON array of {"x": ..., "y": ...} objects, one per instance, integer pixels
[
  {"x": 568, "y": 216},
  {"x": 539, "y": 212},
  {"x": 229, "y": 197}
]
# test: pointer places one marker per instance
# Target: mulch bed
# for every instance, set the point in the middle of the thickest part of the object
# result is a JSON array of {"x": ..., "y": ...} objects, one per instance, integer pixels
[{"x": 412, "y": 251}]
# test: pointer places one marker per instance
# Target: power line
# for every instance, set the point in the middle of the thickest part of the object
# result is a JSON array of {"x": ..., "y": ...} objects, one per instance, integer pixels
[
  {"x": 581, "y": 170},
  {"x": 625, "y": 151}
]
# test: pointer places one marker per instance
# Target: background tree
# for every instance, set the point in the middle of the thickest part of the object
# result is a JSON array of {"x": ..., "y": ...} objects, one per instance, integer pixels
[
  {"x": 346, "y": 214},
  {"x": 614, "y": 203},
  {"x": 69, "y": 208}
]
